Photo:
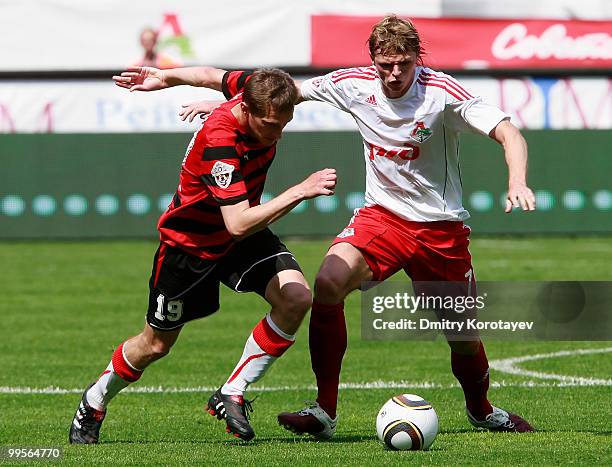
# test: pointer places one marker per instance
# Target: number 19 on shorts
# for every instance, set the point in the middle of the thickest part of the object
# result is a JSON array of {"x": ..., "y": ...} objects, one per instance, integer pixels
[{"x": 172, "y": 312}]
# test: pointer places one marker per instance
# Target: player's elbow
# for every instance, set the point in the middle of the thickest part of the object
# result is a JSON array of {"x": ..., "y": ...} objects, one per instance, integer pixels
[
  {"x": 506, "y": 133},
  {"x": 236, "y": 219},
  {"x": 237, "y": 230}
]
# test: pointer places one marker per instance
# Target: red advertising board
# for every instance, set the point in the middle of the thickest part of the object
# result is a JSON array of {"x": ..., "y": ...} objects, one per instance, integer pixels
[{"x": 459, "y": 43}]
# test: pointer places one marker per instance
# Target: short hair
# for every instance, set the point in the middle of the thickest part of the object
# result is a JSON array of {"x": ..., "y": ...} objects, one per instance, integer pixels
[
  {"x": 270, "y": 88},
  {"x": 393, "y": 35}
]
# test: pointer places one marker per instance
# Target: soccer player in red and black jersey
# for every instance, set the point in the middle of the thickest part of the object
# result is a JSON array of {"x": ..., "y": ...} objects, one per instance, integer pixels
[{"x": 215, "y": 230}]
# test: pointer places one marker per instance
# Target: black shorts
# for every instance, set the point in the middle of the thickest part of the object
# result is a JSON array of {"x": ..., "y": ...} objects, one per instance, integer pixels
[{"x": 187, "y": 287}]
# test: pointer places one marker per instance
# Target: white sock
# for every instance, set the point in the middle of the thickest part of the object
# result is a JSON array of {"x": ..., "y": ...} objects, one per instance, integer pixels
[
  {"x": 118, "y": 375},
  {"x": 265, "y": 344}
]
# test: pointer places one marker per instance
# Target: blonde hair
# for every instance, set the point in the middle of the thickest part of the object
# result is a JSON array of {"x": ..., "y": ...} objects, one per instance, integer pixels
[
  {"x": 395, "y": 36},
  {"x": 269, "y": 89}
]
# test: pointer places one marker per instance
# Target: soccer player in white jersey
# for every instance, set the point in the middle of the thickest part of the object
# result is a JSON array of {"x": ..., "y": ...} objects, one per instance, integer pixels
[{"x": 410, "y": 118}]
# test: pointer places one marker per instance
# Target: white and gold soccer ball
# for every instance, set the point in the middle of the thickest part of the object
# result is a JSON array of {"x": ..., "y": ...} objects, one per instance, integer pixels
[{"x": 407, "y": 422}]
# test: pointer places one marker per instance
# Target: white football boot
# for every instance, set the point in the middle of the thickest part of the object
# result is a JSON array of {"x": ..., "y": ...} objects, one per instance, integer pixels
[
  {"x": 500, "y": 420},
  {"x": 312, "y": 420}
]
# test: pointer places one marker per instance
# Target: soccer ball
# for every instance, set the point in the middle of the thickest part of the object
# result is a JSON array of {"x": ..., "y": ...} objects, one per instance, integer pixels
[{"x": 407, "y": 422}]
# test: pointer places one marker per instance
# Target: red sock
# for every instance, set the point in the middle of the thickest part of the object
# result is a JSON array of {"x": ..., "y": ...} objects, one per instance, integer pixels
[
  {"x": 123, "y": 368},
  {"x": 472, "y": 371},
  {"x": 262, "y": 348},
  {"x": 118, "y": 375},
  {"x": 327, "y": 345}
]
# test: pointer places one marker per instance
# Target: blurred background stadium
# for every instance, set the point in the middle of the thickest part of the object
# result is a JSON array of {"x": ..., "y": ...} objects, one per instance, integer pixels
[{"x": 84, "y": 159}]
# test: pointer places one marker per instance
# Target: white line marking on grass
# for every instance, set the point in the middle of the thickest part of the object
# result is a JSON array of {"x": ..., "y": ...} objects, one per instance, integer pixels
[
  {"x": 208, "y": 389},
  {"x": 506, "y": 365},
  {"x": 509, "y": 365},
  {"x": 24, "y": 390}
]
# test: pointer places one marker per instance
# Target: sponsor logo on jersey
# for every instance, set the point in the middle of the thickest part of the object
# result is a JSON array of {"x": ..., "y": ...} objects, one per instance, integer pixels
[
  {"x": 408, "y": 153},
  {"x": 420, "y": 133},
  {"x": 348, "y": 232},
  {"x": 222, "y": 173},
  {"x": 371, "y": 100}
]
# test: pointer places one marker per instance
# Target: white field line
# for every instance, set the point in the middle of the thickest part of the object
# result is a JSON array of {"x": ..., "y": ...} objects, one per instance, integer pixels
[
  {"x": 344, "y": 386},
  {"x": 508, "y": 365},
  {"x": 208, "y": 389}
]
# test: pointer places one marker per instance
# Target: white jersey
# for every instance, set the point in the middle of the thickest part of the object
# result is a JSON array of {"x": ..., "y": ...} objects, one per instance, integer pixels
[{"x": 410, "y": 144}]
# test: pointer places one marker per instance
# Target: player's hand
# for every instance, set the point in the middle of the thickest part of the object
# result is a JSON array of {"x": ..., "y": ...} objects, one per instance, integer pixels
[
  {"x": 201, "y": 108},
  {"x": 520, "y": 196},
  {"x": 141, "y": 78},
  {"x": 320, "y": 183}
]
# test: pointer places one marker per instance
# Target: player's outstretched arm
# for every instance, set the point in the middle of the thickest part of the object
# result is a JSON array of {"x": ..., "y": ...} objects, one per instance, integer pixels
[
  {"x": 201, "y": 108},
  {"x": 241, "y": 220},
  {"x": 153, "y": 79},
  {"x": 515, "y": 150}
]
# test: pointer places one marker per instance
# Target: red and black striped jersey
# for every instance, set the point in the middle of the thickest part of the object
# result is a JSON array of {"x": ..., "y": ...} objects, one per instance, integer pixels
[{"x": 223, "y": 165}]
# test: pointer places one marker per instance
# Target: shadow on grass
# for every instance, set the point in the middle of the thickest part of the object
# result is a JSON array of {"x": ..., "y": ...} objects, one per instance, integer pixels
[
  {"x": 537, "y": 430},
  {"x": 342, "y": 438},
  {"x": 258, "y": 441}
]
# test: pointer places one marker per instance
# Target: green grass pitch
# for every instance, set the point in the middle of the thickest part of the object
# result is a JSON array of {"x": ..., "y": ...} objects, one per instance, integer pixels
[{"x": 66, "y": 305}]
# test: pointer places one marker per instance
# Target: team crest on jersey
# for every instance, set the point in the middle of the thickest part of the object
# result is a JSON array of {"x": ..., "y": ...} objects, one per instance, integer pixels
[
  {"x": 420, "y": 133},
  {"x": 222, "y": 173},
  {"x": 348, "y": 232}
]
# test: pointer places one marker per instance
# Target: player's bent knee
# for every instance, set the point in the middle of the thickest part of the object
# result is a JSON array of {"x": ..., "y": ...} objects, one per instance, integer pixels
[
  {"x": 328, "y": 288},
  {"x": 297, "y": 302}
]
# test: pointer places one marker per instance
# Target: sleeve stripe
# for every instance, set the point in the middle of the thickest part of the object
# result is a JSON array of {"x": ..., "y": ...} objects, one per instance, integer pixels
[
  {"x": 230, "y": 201},
  {"x": 350, "y": 71},
  {"x": 357, "y": 76},
  {"x": 219, "y": 152},
  {"x": 242, "y": 80},
  {"x": 457, "y": 89},
  {"x": 224, "y": 87},
  {"x": 442, "y": 87},
  {"x": 448, "y": 79}
]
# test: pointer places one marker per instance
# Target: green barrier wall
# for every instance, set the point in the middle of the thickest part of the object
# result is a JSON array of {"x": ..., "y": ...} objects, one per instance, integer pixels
[{"x": 116, "y": 185}]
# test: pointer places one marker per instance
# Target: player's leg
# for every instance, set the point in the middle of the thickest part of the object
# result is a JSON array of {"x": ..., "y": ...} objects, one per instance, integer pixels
[
  {"x": 290, "y": 298},
  {"x": 470, "y": 366},
  {"x": 174, "y": 299},
  {"x": 262, "y": 264},
  {"x": 366, "y": 250},
  {"x": 128, "y": 362},
  {"x": 359, "y": 254},
  {"x": 445, "y": 257},
  {"x": 126, "y": 366},
  {"x": 342, "y": 271}
]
